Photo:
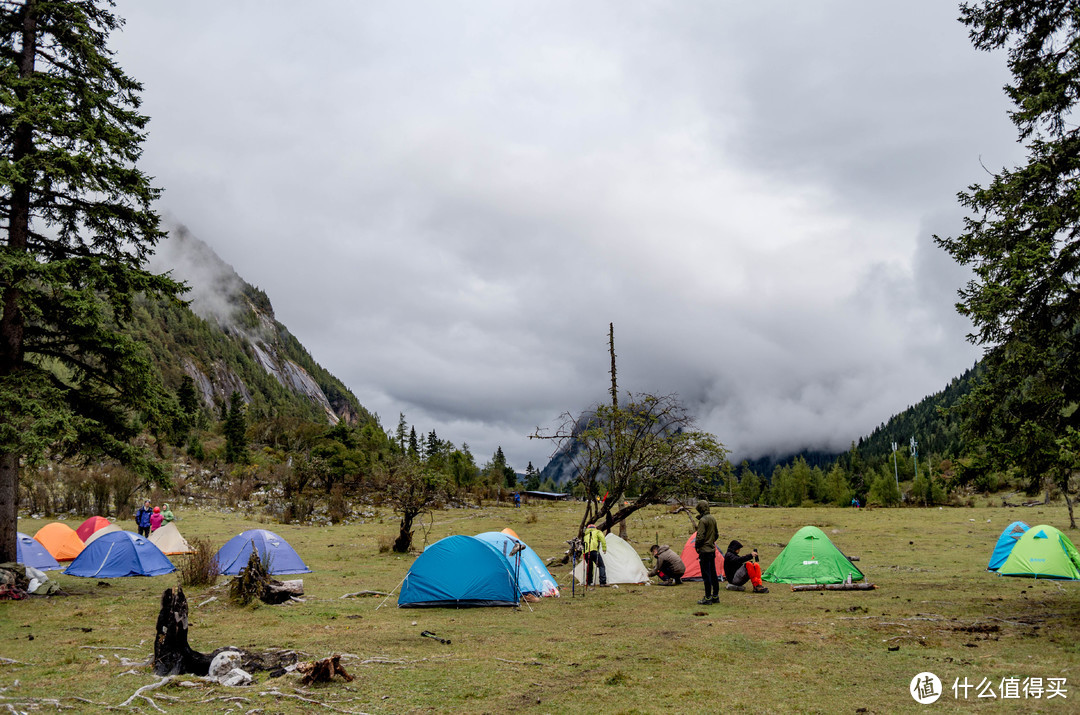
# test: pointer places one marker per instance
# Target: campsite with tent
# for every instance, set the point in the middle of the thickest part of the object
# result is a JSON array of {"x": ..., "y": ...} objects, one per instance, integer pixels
[{"x": 522, "y": 635}]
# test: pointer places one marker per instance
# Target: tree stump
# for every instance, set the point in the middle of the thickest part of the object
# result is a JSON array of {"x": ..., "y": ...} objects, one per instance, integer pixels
[{"x": 172, "y": 654}]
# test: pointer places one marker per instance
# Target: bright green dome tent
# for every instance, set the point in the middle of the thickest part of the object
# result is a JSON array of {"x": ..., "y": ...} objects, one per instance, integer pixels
[
  {"x": 811, "y": 558},
  {"x": 1043, "y": 552}
]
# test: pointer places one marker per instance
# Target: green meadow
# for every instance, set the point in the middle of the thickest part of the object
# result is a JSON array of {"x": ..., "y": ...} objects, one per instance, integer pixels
[{"x": 631, "y": 649}]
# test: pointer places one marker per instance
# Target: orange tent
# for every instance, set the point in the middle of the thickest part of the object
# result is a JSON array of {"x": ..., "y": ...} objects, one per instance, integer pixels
[
  {"x": 510, "y": 532},
  {"x": 91, "y": 525},
  {"x": 60, "y": 540},
  {"x": 693, "y": 565}
]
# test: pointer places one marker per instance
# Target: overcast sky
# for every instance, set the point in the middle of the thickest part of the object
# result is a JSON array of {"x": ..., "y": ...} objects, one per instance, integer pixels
[{"x": 448, "y": 202}]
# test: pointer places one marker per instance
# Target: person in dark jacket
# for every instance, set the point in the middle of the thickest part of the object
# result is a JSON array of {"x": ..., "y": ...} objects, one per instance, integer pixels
[
  {"x": 142, "y": 518},
  {"x": 705, "y": 545},
  {"x": 667, "y": 565},
  {"x": 740, "y": 569}
]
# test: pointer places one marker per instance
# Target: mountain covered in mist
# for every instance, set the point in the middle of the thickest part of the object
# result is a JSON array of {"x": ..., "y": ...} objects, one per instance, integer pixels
[
  {"x": 928, "y": 421},
  {"x": 227, "y": 340}
]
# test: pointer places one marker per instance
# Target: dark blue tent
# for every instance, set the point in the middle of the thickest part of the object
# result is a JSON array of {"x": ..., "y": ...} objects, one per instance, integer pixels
[
  {"x": 1005, "y": 544},
  {"x": 234, "y": 555},
  {"x": 30, "y": 552},
  {"x": 120, "y": 554},
  {"x": 459, "y": 572}
]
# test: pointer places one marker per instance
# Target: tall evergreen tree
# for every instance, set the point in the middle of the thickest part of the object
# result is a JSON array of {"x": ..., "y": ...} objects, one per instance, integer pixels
[
  {"x": 77, "y": 226},
  {"x": 1023, "y": 245},
  {"x": 236, "y": 451}
]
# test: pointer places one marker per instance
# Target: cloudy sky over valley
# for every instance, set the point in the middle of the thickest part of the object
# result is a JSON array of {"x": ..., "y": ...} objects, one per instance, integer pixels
[{"x": 448, "y": 202}]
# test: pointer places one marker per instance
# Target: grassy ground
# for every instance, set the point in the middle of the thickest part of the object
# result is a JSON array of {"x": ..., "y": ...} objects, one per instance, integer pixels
[{"x": 632, "y": 649}]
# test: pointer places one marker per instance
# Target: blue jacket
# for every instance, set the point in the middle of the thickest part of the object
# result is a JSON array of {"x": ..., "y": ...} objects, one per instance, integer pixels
[{"x": 142, "y": 517}]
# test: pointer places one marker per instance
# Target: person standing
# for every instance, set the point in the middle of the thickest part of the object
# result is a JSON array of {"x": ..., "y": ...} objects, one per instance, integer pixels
[
  {"x": 167, "y": 517},
  {"x": 155, "y": 519},
  {"x": 705, "y": 545},
  {"x": 594, "y": 542},
  {"x": 740, "y": 569},
  {"x": 142, "y": 518}
]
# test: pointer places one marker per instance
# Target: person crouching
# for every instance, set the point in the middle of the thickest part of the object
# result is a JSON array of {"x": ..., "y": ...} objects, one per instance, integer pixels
[
  {"x": 740, "y": 569},
  {"x": 667, "y": 565}
]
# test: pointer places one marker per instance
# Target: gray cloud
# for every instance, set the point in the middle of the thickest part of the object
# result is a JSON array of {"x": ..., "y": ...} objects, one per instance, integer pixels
[{"x": 448, "y": 204}]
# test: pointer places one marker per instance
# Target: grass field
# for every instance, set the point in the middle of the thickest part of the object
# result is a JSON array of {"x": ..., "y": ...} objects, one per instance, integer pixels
[{"x": 634, "y": 649}]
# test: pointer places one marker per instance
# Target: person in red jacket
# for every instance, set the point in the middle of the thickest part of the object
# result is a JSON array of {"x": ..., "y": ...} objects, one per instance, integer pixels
[
  {"x": 155, "y": 519},
  {"x": 740, "y": 569}
]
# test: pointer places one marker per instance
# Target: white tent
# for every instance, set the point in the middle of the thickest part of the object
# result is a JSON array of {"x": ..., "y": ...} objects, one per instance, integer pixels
[
  {"x": 622, "y": 563},
  {"x": 168, "y": 539}
]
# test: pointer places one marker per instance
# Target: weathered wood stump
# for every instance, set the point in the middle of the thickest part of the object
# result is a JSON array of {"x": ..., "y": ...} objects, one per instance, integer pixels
[
  {"x": 834, "y": 587},
  {"x": 322, "y": 671},
  {"x": 172, "y": 654}
]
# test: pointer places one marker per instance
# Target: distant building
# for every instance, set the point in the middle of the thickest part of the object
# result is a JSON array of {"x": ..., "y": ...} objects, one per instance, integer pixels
[{"x": 547, "y": 496}]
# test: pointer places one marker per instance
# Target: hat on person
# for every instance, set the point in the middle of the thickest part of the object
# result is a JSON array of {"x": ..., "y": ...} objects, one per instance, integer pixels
[
  {"x": 590, "y": 526},
  {"x": 734, "y": 545},
  {"x": 157, "y": 510}
]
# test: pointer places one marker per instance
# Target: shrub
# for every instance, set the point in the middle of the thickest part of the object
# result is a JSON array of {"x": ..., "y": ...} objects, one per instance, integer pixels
[
  {"x": 201, "y": 567},
  {"x": 338, "y": 508},
  {"x": 386, "y": 542},
  {"x": 531, "y": 518},
  {"x": 249, "y": 584}
]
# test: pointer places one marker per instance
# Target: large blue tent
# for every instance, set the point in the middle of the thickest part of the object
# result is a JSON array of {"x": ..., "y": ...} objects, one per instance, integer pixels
[
  {"x": 120, "y": 554},
  {"x": 30, "y": 552},
  {"x": 1005, "y": 544},
  {"x": 459, "y": 572},
  {"x": 283, "y": 559},
  {"x": 533, "y": 576}
]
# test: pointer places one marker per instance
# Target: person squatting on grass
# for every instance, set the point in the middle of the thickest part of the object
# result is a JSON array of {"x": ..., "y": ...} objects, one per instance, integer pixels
[
  {"x": 142, "y": 518},
  {"x": 740, "y": 569},
  {"x": 705, "y": 545},
  {"x": 594, "y": 542},
  {"x": 667, "y": 565}
]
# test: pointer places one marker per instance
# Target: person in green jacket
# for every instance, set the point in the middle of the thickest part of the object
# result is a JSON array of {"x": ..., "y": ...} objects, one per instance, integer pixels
[
  {"x": 594, "y": 541},
  {"x": 167, "y": 516},
  {"x": 705, "y": 545}
]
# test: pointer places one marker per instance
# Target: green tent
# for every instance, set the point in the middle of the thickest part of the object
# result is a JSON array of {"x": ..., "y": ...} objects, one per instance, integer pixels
[
  {"x": 1043, "y": 552},
  {"x": 811, "y": 558}
]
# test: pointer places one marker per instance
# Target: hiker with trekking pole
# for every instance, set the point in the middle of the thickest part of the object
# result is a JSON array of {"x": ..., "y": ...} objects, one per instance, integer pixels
[{"x": 594, "y": 542}]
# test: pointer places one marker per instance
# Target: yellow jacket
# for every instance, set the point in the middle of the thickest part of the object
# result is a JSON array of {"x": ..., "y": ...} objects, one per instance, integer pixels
[{"x": 594, "y": 540}]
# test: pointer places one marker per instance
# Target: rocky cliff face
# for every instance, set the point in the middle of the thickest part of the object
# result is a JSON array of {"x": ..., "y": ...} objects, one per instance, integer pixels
[{"x": 229, "y": 341}]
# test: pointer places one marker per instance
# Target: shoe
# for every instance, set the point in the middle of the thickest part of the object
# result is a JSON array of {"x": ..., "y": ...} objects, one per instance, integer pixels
[
  {"x": 733, "y": 587},
  {"x": 760, "y": 589},
  {"x": 678, "y": 581},
  {"x": 714, "y": 599},
  {"x": 667, "y": 582},
  {"x": 706, "y": 601}
]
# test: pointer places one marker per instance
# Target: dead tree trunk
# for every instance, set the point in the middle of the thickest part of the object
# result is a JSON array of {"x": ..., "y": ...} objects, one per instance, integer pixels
[{"x": 172, "y": 654}]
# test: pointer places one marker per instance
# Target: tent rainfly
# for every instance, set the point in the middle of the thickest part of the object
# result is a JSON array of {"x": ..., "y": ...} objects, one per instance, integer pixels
[
  {"x": 90, "y": 526},
  {"x": 1005, "y": 544},
  {"x": 533, "y": 576},
  {"x": 120, "y": 554},
  {"x": 692, "y": 563},
  {"x": 811, "y": 558},
  {"x": 283, "y": 559},
  {"x": 110, "y": 529},
  {"x": 170, "y": 541},
  {"x": 621, "y": 562},
  {"x": 60, "y": 540},
  {"x": 1043, "y": 552},
  {"x": 459, "y": 572},
  {"x": 31, "y": 552}
]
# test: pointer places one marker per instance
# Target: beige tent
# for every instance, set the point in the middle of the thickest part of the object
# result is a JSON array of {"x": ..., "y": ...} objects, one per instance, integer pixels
[
  {"x": 168, "y": 539},
  {"x": 101, "y": 532}
]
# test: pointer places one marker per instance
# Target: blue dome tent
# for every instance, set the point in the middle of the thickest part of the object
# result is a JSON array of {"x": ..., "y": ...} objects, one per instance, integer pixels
[
  {"x": 1005, "y": 544},
  {"x": 120, "y": 554},
  {"x": 234, "y": 555},
  {"x": 459, "y": 572},
  {"x": 30, "y": 552},
  {"x": 533, "y": 576}
]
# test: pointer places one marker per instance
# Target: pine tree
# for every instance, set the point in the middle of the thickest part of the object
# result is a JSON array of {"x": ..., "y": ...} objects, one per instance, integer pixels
[
  {"x": 78, "y": 225},
  {"x": 1022, "y": 242},
  {"x": 236, "y": 451}
]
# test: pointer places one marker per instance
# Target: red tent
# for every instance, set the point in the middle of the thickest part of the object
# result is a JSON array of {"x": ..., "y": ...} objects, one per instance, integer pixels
[
  {"x": 90, "y": 526},
  {"x": 693, "y": 567}
]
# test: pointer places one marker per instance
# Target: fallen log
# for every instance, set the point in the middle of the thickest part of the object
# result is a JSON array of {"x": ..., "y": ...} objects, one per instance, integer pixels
[
  {"x": 834, "y": 587},
  {"x": 322, "y": 671}
]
